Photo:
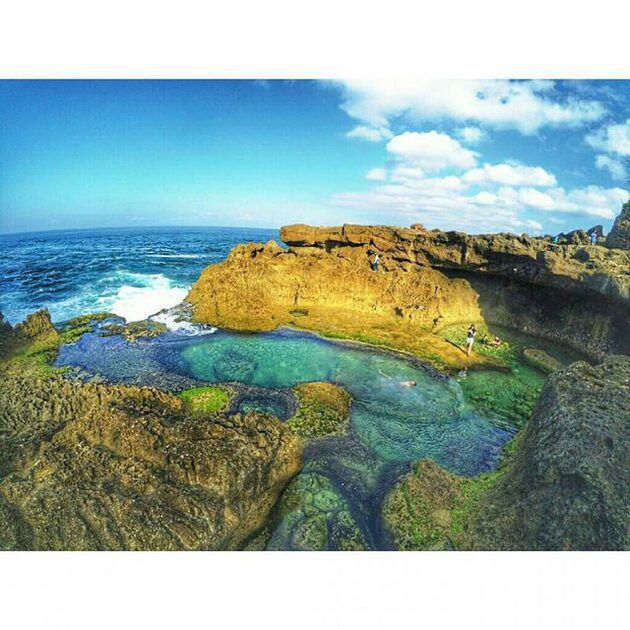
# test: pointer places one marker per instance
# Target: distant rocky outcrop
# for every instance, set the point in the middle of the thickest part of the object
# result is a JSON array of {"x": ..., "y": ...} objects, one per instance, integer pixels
[
  {"x": 619, "y": 236},
  {"x": 568, "y": 486}
]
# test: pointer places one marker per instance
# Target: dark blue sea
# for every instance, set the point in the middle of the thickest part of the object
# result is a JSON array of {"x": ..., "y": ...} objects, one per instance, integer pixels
[{"x": 132, "y": 272}]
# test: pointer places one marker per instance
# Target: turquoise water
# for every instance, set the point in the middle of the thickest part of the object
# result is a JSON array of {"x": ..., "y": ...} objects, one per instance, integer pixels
[{"x": 392, "y": 425}]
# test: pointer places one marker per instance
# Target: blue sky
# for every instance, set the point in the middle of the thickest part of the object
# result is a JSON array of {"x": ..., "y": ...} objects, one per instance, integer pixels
[{"x": 538, "y": 156}]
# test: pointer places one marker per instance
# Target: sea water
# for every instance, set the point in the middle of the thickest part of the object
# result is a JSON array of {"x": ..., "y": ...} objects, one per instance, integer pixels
[{"x": 131, "y": 272}]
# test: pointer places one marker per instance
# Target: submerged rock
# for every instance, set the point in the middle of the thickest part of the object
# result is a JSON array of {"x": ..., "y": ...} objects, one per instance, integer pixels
[
  {"x": 568, "y": 486},
  {"x": 541, "y": 360},
  {"x": 323, "y": 409}
]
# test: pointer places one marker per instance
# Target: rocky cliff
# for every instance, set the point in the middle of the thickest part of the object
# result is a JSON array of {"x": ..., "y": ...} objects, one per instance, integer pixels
[
  {"x": 575, "y": 268},
  {"x": 577, "y": 295},
  {"x": 261, "y": 287},
  {"x": 619, "y": 236}
]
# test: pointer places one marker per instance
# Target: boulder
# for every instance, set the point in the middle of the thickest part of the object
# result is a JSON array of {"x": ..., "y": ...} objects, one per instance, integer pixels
[
  {"x": 323, "y": 409},
  {"x": 568, "y": 485},
  {"x": 541, "y": 360}
]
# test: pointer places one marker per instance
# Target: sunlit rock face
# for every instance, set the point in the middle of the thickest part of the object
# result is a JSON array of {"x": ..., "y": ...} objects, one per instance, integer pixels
[
  {"x": 569, "y": 484},
  {"x": 261, "y": 287},
  {"x": 573, "y": 294}
]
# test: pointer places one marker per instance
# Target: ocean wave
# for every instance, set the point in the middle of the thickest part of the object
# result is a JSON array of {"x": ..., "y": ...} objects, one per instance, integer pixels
[
  {"x": 175, "y": 256},
  {"x": 172, "y": 320},
  {"x": 144, "y": 295}
]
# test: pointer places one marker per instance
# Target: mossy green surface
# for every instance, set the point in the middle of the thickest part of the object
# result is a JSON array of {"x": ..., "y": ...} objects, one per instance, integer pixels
[
  {"x": 507, "y": 397},
  {"x": 312, "y": 516},
  {"x": 205, "y": 400},
  {"x": 430, "y": 509},
  {"x": 323, "y": 410}
]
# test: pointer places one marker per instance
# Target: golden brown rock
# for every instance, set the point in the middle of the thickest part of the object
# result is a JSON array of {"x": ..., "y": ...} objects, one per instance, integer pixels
[
  {"x": 262, "y": 287},
  {"x": 93, "y": 466}
]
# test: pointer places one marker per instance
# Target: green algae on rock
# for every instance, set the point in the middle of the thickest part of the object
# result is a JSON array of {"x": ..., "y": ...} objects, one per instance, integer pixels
[
  {"x": 205, "y": 400},
  {"x": 312, "y": 516},
  {"x": 134, "y": 331},
  {"x": 568, "y": 484},
  {"x": 541, "y": 360},
  {"x": 323, "y": 409},
  {"x": 93, "y": 466}
]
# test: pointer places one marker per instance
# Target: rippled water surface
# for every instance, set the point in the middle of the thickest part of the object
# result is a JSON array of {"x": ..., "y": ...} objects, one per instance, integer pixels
[
  {"x": 132, "y": 272},
  {"x": 391, "y": 424}
]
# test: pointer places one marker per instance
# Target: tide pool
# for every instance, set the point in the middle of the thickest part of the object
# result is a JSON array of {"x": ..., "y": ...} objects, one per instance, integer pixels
[{"x": 392, "y": 423}]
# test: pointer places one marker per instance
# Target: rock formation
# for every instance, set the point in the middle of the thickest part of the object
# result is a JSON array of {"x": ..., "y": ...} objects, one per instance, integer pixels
[
  {"x": 531, "y": 260},
  {"x": 261, "y": 287},
  {"x": 568, "y": 486},
  {"x": 619, "y": 236},
  {"x": 572, "y": 294},
  {"x": 95, "y": 466},
  {"x": 565, "y": 484}
]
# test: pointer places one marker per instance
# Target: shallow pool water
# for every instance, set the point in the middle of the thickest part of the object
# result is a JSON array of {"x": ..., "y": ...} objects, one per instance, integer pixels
[{"x": 392, "y": 424}]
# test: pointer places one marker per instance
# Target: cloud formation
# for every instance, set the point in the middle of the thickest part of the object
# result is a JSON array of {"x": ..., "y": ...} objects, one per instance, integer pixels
[
  {"x": 431, "y": 151},
  {"x": 526, "y": 106},
  {"x": 470, "y": 197}
]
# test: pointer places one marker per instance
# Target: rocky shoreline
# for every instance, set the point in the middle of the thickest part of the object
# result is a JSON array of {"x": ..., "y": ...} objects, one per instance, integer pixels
[{"x": 88, "y": 465}]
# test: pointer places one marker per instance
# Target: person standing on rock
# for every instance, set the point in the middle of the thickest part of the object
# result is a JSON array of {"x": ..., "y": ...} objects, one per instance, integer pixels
[
  {"x": 593, "y": 237},
  {"x": 470, "y": 338},
  {"x": 375, "y": 262}
]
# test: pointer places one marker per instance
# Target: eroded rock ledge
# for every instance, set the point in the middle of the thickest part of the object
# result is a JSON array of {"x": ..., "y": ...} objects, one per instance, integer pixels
[
  {"x": 96, "y": 466},
  {"x": 571, "y": 267},
  {"x": 576, "y": 295}
]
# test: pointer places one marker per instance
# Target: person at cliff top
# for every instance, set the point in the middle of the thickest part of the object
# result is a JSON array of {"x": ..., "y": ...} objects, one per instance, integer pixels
[
  {"x": 593, "y": 238},
  {"x": 375, "y": 262},
  {"x": 470, "y": 338},
  {"x": 463, "y": 373}
]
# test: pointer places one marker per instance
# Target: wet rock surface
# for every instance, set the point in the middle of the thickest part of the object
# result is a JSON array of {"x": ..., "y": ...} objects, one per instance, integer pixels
[{"x": 323, "y": 409}]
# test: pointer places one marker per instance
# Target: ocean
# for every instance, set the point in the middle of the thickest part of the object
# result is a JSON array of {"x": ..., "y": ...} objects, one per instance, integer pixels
[{"x": 132, "y": 272}]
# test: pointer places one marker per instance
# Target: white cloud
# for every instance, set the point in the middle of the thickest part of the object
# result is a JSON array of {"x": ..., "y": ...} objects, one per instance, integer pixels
[
  {"x": 471, "y": 135},
  {"x": 449, "y": 203},
  {"x": 369, "y": 133},
  {"x": 523, "y": 105},
  {"x": 534, "y": 225},
  {"x": 510, "y": 175},
  {"x": 612, "y": 139},
  {"x": 431, "y": 150},
  {"x": 615, "y": 167},
  {"x": 377, "y": 174}
]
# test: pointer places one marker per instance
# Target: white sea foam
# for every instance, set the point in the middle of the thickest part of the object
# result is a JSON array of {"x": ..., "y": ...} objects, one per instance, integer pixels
[
  {"x": 142, "y": 295},
  {"x": 171, "y": 320}
]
